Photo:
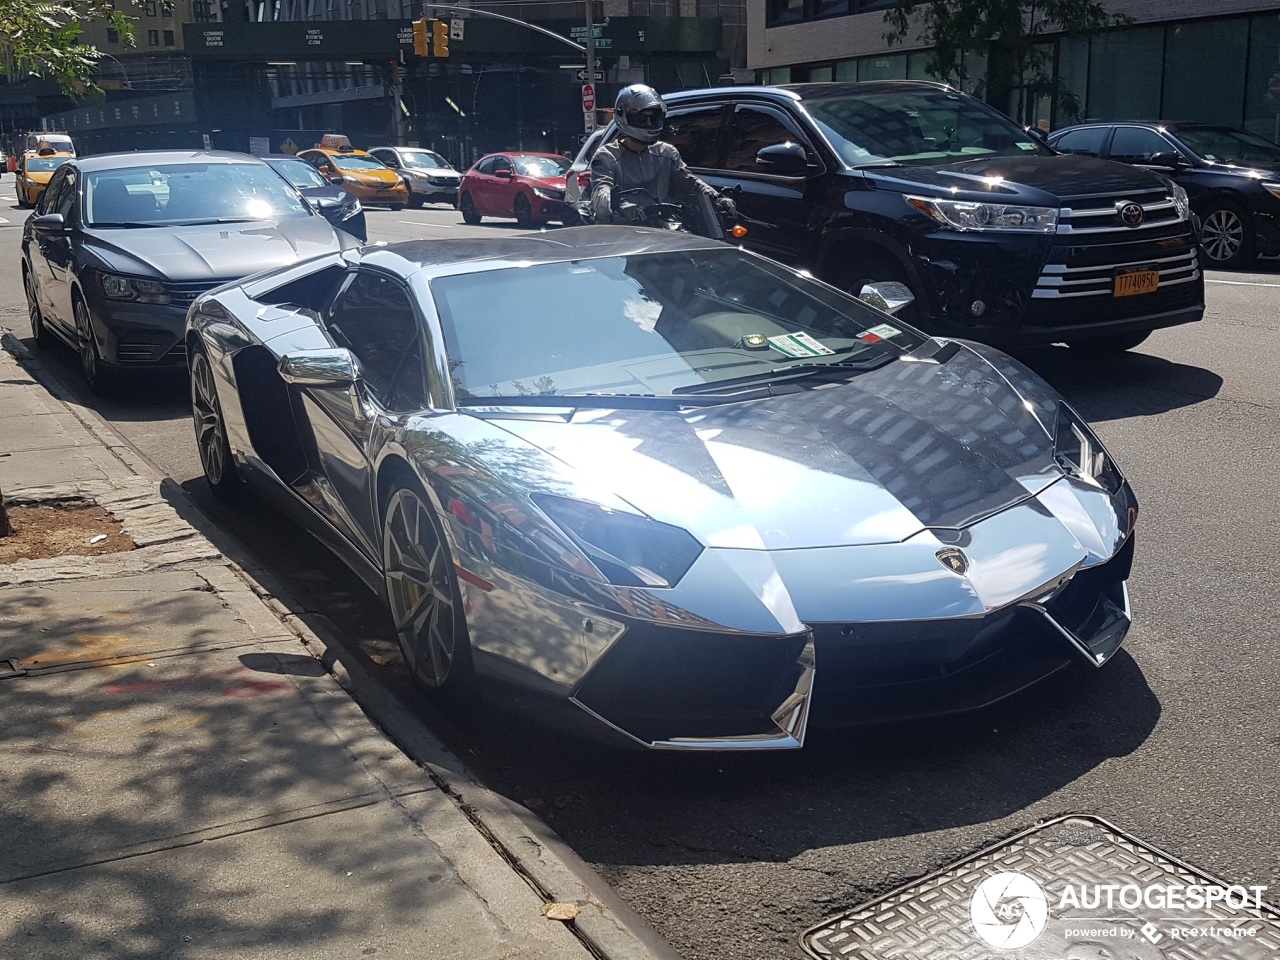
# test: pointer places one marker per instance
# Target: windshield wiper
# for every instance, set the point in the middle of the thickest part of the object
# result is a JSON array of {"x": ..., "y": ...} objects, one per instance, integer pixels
[{"x": 840, "y": 369}]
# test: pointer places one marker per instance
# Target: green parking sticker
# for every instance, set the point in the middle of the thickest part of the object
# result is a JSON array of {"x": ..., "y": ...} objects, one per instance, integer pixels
[{"x": 799, "y": 345}]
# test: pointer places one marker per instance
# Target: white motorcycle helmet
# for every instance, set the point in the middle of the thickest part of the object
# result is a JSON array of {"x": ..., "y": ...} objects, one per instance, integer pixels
[{"x": 640, "y": 113}]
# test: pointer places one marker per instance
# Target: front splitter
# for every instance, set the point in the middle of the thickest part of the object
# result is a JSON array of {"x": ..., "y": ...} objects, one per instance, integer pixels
[{"x": 1075, "y": 888}]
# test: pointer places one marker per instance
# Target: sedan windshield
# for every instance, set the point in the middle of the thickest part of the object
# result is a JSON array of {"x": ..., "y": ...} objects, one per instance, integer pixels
[
  {"x": 347, "y": 161},
  {"x": 1224, "y": 145},
  {"x": 650, "y": 325},
  {"x": 541, "y": 166},
  {"x": 424, "y": 159},
  {"x": 189, "y": 193},
  {"x": 299, "y": 173},
  {"x": 918, "y": 128}
]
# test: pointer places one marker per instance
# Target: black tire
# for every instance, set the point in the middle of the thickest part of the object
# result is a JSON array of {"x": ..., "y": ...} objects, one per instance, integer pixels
[
  {"x": 395, "y": 207},
  {"x": 1227, "y": 236},
  {"x": 415, "y": 200},
  {"x": 524, "y": 212},
  {"x": 39, "y": 332},
  {"x": 423, "y": 595},
  {"x": 864, "y": 270},
  {"x": 1110, "y": 344},
  {"x": 211, "y": 430},
  {"x": 100, "y": 377},
  {"x": 467, "y": 207}
]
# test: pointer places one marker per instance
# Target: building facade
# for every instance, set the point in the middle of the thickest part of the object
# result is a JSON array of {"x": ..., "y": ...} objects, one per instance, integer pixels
[{"x": 1191, "y": 60}]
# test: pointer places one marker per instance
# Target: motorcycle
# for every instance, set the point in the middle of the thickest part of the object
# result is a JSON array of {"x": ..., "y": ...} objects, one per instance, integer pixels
[{"x": 696, "y": 214}]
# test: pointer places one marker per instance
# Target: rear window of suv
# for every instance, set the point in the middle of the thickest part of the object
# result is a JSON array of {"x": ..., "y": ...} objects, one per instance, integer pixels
[{"x": 917, "y": 128}]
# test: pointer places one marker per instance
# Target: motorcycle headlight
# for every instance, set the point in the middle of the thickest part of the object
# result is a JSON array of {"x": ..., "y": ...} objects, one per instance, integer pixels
[
  {"x": 629, "y": 550},
  {"x": 1081, "y": 454},
  {"x": 1183, "y": 203},
  {"x": 969, "y": 215}
]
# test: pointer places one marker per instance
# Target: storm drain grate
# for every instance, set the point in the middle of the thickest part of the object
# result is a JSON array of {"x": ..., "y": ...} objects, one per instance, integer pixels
[{"x": 1075, "y": 888}]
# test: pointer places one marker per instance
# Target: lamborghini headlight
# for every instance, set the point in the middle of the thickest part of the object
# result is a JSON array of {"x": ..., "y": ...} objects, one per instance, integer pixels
[
  {"x": 1081, "y": 454},
  {"x": 970, "y": 215},
  {"x": 628, "y": 549}
]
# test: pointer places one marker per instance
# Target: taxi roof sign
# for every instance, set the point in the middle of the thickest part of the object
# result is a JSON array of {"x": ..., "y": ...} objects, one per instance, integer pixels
[{"x": 335, "y": 141}]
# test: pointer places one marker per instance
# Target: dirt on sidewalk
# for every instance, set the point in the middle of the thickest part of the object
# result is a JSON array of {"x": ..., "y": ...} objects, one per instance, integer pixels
[{"x": 61, "y": 528}]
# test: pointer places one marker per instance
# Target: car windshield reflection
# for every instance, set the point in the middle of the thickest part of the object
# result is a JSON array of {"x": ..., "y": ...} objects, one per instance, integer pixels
[
  {"x": 424, "y": 159},
  {"x": 189, "y": 193},
  {"x": 1224, "y": 145},
  {"x": 541, "y": 166},
  {"x": 650, "y": 325}
]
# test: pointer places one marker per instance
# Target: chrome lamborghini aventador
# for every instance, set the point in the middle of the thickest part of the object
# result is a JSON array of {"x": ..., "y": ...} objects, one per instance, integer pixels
[{"x": 699, "y": 496}]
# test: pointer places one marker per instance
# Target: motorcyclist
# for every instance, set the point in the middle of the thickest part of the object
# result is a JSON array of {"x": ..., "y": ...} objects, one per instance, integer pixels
[{"x": 639, "y": 160}]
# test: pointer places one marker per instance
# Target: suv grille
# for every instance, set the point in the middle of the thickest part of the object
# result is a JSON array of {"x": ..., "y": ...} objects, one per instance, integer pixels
[
  {"x": 1057, "y": 280},
  {"x": 1102, "y": 215}
]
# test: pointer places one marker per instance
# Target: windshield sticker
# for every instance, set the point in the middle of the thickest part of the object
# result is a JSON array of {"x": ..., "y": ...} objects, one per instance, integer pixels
[
  {"x": 878, "y": 333},
  {"x": 799, "y": 345},
  {"x": 1026, "y": 145}
]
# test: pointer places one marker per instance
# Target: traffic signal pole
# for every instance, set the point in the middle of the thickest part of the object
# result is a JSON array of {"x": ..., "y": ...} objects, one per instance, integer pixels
[{"x": 589, "y": 116}]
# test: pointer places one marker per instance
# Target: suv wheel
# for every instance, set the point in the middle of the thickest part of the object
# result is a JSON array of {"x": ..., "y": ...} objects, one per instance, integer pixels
[{"x": 1227, "y": 237}]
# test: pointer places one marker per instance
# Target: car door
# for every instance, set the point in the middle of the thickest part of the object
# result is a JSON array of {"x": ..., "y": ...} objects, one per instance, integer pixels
[
  {"x": 55, "y": 248},
  {"x": 372, "y": 316},
  {"x": 782, "y": 220},
  {"x": 1085, "y": 141},
  {"x": 500, "y": 193}
]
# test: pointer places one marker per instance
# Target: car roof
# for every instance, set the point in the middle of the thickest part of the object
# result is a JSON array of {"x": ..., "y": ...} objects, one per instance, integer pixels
[
  {"x": 142, "y": 158},
  {"x": 808, "y": 91},
  {"x": 559, "y": 246}
]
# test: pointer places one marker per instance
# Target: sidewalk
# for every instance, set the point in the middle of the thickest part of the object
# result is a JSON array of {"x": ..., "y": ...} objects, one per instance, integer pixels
[{"x": 186, "y": 774}]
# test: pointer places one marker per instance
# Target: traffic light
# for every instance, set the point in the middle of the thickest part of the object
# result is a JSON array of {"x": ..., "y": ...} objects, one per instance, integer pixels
[
  {"x": 420, "y": 38},
  {"x": 440, "y": 38}
]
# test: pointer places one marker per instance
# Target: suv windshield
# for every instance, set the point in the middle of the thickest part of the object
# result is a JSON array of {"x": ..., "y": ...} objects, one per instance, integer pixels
[
  {"x": 650, "y": 325},
  {"x": 928, "y": 127},
  {"x": 424, "y": 159},
  {"x": 1224, "y": 145},
  {"x": 188, "y": 193}
]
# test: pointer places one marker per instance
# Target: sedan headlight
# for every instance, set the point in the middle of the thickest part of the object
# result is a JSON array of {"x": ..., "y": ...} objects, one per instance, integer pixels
[
  {"x": 131, "y": 288},
  {"x": 547, "y": 194},
  {"x": 1183, "y": 203},
  {"x": 969, "y": 215},
  {"x": 1081, "y": 454},
  {"x": 347, "y": 179},
  {"x": 629, "y": 550}
]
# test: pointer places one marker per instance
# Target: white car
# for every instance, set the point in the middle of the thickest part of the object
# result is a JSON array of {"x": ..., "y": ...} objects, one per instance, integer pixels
[{"x": 428, "y": 175}]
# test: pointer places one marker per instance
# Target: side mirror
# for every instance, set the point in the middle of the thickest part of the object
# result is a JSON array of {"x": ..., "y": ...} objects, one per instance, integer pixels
[
  {"x": 887, "y": 295},
  {"x": 49, "y": 223},
  {"x": 504, "y": 174},
  {"x": 1035, "y": 133},
  {"x": 330, "y": 367},
  {"x": 783, "y": 159},
  {"x": 1171, "y": 160}
]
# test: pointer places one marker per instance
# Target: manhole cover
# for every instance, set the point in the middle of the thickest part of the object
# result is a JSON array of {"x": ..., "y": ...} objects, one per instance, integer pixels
[{"x": 1075, "y": 888}]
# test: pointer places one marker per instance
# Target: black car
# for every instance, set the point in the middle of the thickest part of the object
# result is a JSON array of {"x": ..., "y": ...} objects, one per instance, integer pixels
[
  {"x": 120, "y": 244},
  {"x": 1231, "y": 175},
  {"x": 1000, "y": 238},
  {"x": 335, "y": 204}
]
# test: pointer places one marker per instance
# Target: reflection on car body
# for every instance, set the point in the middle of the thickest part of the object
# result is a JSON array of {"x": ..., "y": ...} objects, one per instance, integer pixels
[{"x": 693, "y": 493}]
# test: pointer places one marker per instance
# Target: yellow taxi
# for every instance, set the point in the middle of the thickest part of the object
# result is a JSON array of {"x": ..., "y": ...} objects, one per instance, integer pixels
[
  {"x": 35, "y": 169},
  {"x": 359, "y": 173}
]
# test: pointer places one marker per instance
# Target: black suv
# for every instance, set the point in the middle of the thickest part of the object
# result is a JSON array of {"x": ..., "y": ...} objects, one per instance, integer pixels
[
  {"x": 1231, "y": 175},
  {"x": 1000, "y": 238}
]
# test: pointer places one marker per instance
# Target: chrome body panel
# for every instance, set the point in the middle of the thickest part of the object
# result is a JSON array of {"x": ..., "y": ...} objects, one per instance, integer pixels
[{"x": 821, "y": 515}]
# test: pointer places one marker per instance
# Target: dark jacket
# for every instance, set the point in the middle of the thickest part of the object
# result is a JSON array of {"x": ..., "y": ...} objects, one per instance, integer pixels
[{"x": 658, "y": 169}]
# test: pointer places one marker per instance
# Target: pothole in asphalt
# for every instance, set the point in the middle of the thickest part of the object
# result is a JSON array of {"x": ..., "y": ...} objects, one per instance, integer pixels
[
  {"x": 1075, "y": 888},
  {"x": 61, "y": 528}
]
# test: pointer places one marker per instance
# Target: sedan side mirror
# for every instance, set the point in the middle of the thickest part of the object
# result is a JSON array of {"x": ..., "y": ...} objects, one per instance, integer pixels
[
  {"x": 887, "y": 295},
  {"x": 329, "y": 367},
  {"x": 49, "y": 223},
  {"x": 1171, "y": 160},
  {"x": 783, "y": 159},
  {"x": 504, "y": 174}
]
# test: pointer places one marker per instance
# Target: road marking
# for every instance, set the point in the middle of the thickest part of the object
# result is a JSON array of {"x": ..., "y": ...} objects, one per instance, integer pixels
[
  {"x": 428, "y": 223},
  {"x": 1242, "y": 283}
]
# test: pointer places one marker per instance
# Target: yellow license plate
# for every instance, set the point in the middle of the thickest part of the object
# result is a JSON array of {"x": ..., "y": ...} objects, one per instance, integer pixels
[{"x": 1135, "y": 282}]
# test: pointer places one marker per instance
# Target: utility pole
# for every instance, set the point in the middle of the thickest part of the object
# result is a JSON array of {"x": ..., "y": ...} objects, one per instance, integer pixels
[{"x": 589, "y": 116}]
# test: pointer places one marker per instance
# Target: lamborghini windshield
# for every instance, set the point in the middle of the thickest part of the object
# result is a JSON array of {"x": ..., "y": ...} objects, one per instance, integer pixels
[
  {"x": 654, "y": 324},
  {"x": 925, "y": 127}
]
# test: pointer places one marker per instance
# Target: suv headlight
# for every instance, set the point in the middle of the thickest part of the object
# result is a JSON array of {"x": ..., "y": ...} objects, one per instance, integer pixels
[
  {"x": 1183, "y": 203},
  {"x": 970, "y": 215},
  {"x": 629, "y": 550},
  {"x": 1081, "y": 454},
  {"x": 130, "y": 288}
]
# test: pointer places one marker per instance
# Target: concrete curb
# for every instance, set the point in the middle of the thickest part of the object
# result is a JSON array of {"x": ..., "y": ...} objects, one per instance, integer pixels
[{"x": 606, "y": 925}]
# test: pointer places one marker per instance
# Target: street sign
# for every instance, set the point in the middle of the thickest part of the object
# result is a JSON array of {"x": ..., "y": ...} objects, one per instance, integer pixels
[
  {"x": 584, "y": 77},
  {"x": 589, "y": 121},
  {"x": 588, "y": 97},
  {"x": 457, "y": 27}
]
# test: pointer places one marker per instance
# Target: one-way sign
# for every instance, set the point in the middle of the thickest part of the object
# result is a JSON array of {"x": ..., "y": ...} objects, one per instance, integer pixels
[{"x": 582, "y": 76}]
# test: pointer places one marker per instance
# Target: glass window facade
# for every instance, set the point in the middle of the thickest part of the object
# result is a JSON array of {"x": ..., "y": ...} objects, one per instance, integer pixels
[{"x": 1204, "y": 70}]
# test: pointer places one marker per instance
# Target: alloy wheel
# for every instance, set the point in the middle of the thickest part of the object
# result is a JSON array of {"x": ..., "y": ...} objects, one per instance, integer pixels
[
  {"x": 423, "y": 593},
  {"x": 1222, "y": 235},
  {"x": 468, "y": 207},
  {"x": 211, "y": 435},
  {"x": 38, "y": 330},
  {"x": 524, "y": 213},
  {"x": 90, "y": 363}
]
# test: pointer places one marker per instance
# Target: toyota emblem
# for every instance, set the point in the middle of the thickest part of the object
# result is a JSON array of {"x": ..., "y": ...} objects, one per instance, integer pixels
[{"x": 1131, "y": 215}]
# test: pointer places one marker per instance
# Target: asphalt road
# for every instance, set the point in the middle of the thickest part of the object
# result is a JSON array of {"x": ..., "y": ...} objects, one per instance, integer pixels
[{"x": 1176, "y": 741}]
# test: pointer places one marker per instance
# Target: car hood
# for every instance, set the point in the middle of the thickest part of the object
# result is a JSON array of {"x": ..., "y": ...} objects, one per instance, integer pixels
[
  {"x": 218, "y": 251},
  {"x": 894, "y": 451},
  {"x": 435, "y": 173},
  {"x": 546, "y": 183},
  {"x": 1037, "y": 180}
]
